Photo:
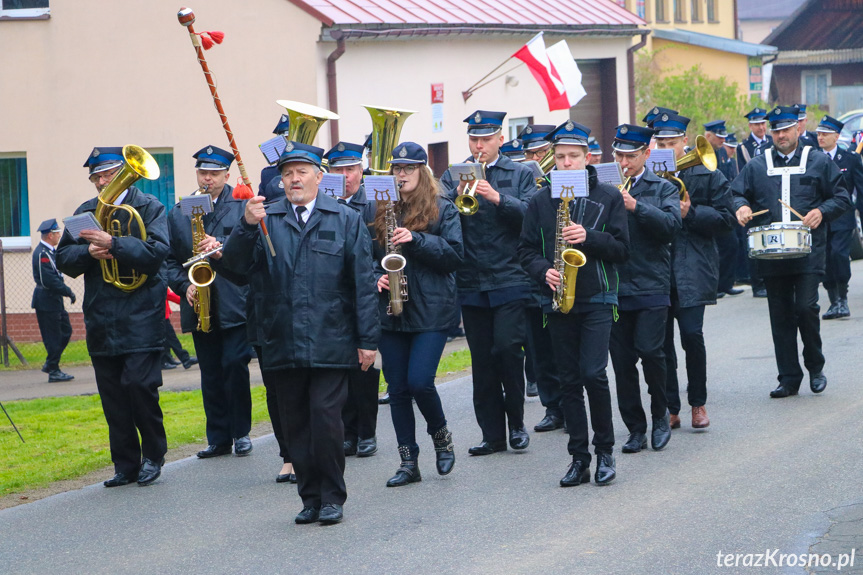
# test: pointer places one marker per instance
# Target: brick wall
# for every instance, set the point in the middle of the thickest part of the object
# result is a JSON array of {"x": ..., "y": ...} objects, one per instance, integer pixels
[{"x": 23, "y": 327}]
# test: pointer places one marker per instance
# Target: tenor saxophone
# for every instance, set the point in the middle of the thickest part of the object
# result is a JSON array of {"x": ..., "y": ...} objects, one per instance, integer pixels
[
  {"x": 394, "y": 264},
  {"x": 200, "y": 273},
  {"x": 566, "y": 261}
]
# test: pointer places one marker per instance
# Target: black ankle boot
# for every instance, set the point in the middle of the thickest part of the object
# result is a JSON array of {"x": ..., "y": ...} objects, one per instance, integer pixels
[
  {"x": 443, "y": 450},
  {"x": 408, "y": 472},
  {"x": 833, "y": 311},
  {"x": 842, "y": 301}
]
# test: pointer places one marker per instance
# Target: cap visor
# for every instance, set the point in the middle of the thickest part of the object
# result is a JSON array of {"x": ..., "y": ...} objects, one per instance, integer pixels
[
  {"x": 623, "y": 146},
  {"x": 483, "y": 130},
  {"x": 343, "y": 162},
  {"x": 210, "y": 166},
  {"x": 105, "y": 167}
]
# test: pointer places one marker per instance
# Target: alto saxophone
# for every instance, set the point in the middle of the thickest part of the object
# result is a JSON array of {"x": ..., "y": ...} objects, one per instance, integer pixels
[
  {"x": 394, "y": 264},
  {"x": 201, "y": 274},
  {"x": 566, "y": 261}
]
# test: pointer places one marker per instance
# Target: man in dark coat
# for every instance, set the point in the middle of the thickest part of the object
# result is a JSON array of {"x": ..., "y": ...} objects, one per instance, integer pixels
[
  {"x": 706, "y": 214},
  {"x": 125, "y": 328},
  {"x": 360, "y": 414},
  {"x": 580, "y": 335},
  {"x": 814, "y": 188},
  {"x": 840, "y": 232},
  {"x": 754, "y": 145},
  {"x": 653, "y": 213},
  {"x": 223, "y": 352},
  {"x": 317, "y": 317},
  {"x": 805, "y": 137},
  {"x": 47, "y": 300},
  {"x": 493, "y": 287}
]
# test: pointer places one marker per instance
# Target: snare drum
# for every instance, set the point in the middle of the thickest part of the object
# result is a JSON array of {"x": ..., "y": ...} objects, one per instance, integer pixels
[{"x": 779, "y": 241}]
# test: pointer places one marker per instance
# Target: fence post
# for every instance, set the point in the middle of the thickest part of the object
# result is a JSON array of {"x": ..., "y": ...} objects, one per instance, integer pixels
[{"x": 6, "y": 340}]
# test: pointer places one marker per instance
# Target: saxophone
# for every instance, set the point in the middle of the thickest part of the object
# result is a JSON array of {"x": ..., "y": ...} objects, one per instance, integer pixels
[
  {"x": 201, "y": 274},
  {"x": 394, "y": 264},
  {"x": 566, "y": 261}
]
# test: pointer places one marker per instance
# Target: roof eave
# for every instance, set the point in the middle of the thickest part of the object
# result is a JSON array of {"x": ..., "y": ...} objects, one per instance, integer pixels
[{"x": 390, "y": 31}]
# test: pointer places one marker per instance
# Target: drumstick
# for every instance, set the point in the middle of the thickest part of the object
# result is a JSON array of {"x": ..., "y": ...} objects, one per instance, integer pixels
[
  {"x": 793, "y": 211},
  {"x": 759, "y": 213}
]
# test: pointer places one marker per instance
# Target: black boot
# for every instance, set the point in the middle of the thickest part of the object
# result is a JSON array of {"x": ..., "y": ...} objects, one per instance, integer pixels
[
  {"x": 408, "y": 472},
  {"x": 842, "y": 301},
  {"x": 443, "y": 450},
  {"x": 833, "y": 311}
]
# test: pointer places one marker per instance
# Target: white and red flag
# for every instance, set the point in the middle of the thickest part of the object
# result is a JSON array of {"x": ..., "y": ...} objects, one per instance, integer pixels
[{"x": 555, "y": 70}]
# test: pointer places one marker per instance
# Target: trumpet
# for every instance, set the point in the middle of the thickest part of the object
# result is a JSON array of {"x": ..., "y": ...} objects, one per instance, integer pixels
[
  {"x": 626, "y": 185},
  {"x": 467, "y": 203}
]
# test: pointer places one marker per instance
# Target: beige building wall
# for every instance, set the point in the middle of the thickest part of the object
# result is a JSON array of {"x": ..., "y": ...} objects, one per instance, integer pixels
[
  {"x": 723, "y": 24},
  {"x": 757, "y": 30},
  {"x": 674, "y": 59},
  {"x": 399, "y": 74}
]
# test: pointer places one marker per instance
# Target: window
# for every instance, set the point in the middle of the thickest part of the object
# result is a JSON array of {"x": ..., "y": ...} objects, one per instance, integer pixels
[
  {"x": 639, "y": 9},
  {"x": 516, "y": 125},
  {"x": 695, "y": 11},
  {"x": 712, "y": 16},
  {"x": 661, "y": 15},
  {"x": 163, "y": 187},
  {"x": 814, "y": 87},
  {"x": 24, "y": 8},
  {"x": 14, "y": 205},
  {"x": 679, "y": 10}
]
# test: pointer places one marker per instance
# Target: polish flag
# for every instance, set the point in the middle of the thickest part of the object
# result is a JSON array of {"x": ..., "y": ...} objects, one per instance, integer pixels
[{"x": 554, "y": 70}]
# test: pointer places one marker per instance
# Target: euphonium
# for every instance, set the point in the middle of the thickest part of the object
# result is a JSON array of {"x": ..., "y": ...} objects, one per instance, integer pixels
[
  {"x": 467, "y": 203},
  {"x": 566, "y": 261},
  {"x": 201, "y": 274},
  {"x": 701, "y": 154},
  {"x": 138, "y": 164},
  {"x": 304, "y": 121}
]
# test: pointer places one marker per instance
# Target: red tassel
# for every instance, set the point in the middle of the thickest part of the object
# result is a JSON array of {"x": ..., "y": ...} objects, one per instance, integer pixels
[
  {"x": 217, "y": 36},
  {"x": 206, "y": 42},
  {"x": 242, "y": 191}
]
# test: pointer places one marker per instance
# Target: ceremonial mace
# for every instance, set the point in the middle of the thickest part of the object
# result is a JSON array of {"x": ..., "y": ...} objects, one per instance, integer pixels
[{"x": 244, "y": 191}]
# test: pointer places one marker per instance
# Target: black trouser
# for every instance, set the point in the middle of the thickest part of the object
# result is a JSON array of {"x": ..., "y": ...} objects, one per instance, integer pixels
[
  {"x": 580, "y": 342},
  {"x": 793, "y": 304},
  {"x": 310, "y": 405},
  {"x": 270, "y": 385},
  {"x": 726, "y": 243},
  {"x": 529, "y": 357},
  {"x": 742, "y": 265},
  {"x": 223, "y": 355},
  {"x": 639, "y": 334},
  {"x": 690, "y": 321},
  {"x": 173, "y": 343},
  {"x": 56, "y": 331},
  {"x": 495, "y": 336},
  {"x": 360, "y": 413},
  {"x": 838, "y": 258},
  {"x": 129, "y": 389},
  {"x": 547, "y": 377}
]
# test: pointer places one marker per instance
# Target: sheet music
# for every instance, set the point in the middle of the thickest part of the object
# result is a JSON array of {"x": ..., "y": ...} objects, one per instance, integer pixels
[
  {"x": 202, "y": 201},
  {"x": 381, "y": 188},
  {"x": 77, "y": 224},
  {"x": 609, "y": 173},
  {"x": 569, "y": 183},
  {"x": 272, "y": 149},
  {"x": 468, "y": 172},
  {"x": 662, "y": 160},
  {"x": 333, "y": 185},
  {"x": 534, "y": 165},
  {"x": 586, "y": 212}
]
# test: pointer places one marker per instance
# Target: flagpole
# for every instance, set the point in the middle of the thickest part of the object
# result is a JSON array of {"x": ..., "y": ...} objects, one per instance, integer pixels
[
  {"x": 502, "y": 74},
  {"x": 467, "y": 93}
]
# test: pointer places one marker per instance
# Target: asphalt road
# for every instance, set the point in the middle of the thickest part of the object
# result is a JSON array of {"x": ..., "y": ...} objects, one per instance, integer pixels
[{"x": 767, "y": 474}]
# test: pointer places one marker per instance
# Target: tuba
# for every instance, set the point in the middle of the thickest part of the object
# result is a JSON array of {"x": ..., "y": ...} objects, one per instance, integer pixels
[
  {"x": 701, "y": 154},
  {"x": 387, "y": 124},
  {"x": 304, "y": 122},
  {"x": 566, "y": 261},
  {"x": 201, "y": 274},
  {"x": 138, "y": 164}
]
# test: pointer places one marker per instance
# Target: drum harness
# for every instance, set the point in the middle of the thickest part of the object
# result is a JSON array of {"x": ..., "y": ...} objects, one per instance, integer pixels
[{"x": 786, "y": 173}]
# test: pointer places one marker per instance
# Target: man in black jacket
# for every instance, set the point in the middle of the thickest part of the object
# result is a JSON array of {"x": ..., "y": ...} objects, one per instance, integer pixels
[
  {"x": 754, "y": 145},
  {"x": 814, "y": 188},
  {"x": 840, "y": 231},
  {"x": 580, "y": 336},
  {"x": 125, "y": 328},
  {"x": 653, "y": 214},
  {"x": 360, "y": 414},
  {"x": 223, "y": 352},
  {"x": 805, "y": 137},
  {"x": 706, "y": 213},
  {"x": 54, "y": 324},
  {"x": 493, "y": 287},
  {"x": 317, "y": 317}
]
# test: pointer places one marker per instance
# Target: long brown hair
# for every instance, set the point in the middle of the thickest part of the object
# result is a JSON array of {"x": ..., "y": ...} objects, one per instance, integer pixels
[{"x": 415, "y": 211}]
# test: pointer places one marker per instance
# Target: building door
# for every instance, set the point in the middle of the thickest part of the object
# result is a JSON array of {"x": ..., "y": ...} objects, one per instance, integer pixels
[
  {"x": 598, "y": 109},
  {"x": 439, "y": 158},
  {"x": 163, "y": 187}
]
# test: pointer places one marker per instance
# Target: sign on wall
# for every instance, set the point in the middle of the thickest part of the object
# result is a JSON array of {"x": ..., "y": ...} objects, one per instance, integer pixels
[{"x": 437, "y": 107}]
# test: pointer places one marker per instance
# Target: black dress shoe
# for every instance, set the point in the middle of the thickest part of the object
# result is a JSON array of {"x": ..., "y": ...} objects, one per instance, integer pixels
[
  {"x": 661, "y": 432},
  {"x": 215, "y": 451},
  {"x": 487, "y": 448},
  {"x": 530, "y": 389},
  {"x": 331, "y": 513},
  {"x": 58, "y": 375},
  {"x": 636, "y": 442},
  {"x": 720, "y": 294},
  {"x": 605, "y": 472},
  {"x": 150, "y": 471},
  {"x": 578, "y": 473},
  {"x": 444, "y": 450},
  {"x": 308, "y": 515},
  {"x": 121, "y": 479},
  {"x": 167, "y": 365},
  {"x": 190, "y": 362},
  {"x": 782, "y": 391},
  {"x": 286, "y": 478},
  {"x": 548, "y": 423},
  {"x": 350, "y": 447},
  {"x": 367, "y": 447},
  {"x": 172, "y": 360},
  {"x": 734, "y": 291},
  {"x": 759, "y": 292},
  {"x": 518, "y": 438},
  {"x": 45, "y": 368},
  {"x": 385, "y": 399},
  {"x": 242, "y": 446},
  {"x": 817, "y": 382}
]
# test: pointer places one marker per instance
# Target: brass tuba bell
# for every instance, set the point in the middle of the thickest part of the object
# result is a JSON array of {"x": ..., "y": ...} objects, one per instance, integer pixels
[
  {"x": 304, "y": 121},
  {"x": 701, "y": 154}
]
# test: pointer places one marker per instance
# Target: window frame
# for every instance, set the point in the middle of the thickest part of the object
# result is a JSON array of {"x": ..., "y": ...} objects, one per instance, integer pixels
[
  {"x": 20, "y": 242},
  {"x": 711, "y": 12},
  {"x": 679, "y": 9},
  {"x": 814, "y": 73},
  {"x": 661, "y": 6},
  {"x": 516, "y": 125},
  {"x": 24, "y": 13},
  {"x": 696, "y": 12}
]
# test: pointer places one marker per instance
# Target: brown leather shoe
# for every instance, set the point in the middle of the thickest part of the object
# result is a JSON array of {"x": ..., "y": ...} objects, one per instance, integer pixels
[
  {"x": 699, "y": 418},
  {"x": 674, "y": 420}
]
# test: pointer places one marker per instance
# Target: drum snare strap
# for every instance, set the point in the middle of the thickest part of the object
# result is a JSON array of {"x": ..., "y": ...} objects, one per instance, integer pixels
[{"x": 785, "y": 174}]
